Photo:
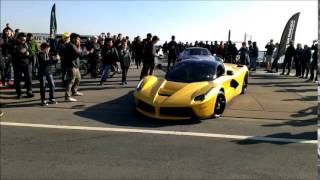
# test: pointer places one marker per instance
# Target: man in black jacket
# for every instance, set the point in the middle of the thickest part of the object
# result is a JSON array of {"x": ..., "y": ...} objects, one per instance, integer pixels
[
  {"x": 109, "y": 57},
  {"x": 290, "y": 53},
  {"x": 298, "y": 59},
  {"x": 72, "y": 62},
  {"x": 305, "y": 61},
  {"x": 21, "y": 64},
  {"x": 314, "y": 61},
  {"x": 150, "y": 55},
  {"x": 173, "y": 52}
]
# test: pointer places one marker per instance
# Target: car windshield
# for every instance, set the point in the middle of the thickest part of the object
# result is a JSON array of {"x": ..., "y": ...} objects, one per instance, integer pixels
[
  {"x": 193, "y": 52},
  {"x": 191, "y": 72}
]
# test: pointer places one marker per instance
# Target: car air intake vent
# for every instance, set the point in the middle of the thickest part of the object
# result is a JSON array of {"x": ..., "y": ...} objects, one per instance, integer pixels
[{"x": 162, "y": 94}]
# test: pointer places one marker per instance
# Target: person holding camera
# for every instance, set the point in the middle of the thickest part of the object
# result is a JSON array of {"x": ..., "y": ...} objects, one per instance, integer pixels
[
  {"x": 22, "y": 64},
  {"x": 45, "y": 61},
  {"x": 270, "y": 48}
]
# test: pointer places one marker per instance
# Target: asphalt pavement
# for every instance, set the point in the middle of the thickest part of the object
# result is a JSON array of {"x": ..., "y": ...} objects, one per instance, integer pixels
[{"x": 268, "y": 133}]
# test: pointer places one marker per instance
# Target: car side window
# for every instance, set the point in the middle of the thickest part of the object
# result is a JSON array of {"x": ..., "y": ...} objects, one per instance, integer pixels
[{"x": 220, "y": 71}]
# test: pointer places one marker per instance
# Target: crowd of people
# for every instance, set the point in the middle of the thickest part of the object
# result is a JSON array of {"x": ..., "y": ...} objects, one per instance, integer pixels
[
  {"x": 20, "y": 55},
  {"x": 304, "y": 60}
]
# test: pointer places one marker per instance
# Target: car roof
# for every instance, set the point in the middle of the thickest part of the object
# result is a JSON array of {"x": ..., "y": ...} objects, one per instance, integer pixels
[
  {"x": 195, "y": 48},
  {"x": 202, "y": 61}
]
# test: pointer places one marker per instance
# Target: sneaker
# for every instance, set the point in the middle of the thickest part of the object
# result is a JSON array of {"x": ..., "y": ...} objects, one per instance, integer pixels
[
  {"x": 1, "y": 113},
  {"x": 77, "y": 94},
  {"x": 53, "y": 101},
  {"x": 70, "y": 99},
  {"x": 126, "y": 82},
  {"x": 282, "y": 74},
  {"x": 122, "y": 83},
  {"x": 44, "y": 103},
  {"x": 29, "y": 95}
]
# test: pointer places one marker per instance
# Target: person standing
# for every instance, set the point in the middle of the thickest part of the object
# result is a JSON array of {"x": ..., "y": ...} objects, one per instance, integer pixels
[
  {"x": 314, "y": 62},
  {"x": 290, "y": 53},
  {"x": 298, "y": 59},
  {"x": 270, "y": 48},
  {"x": 6, "y": 51},
  {"x": 138, "y": 52},
  {"x": 72, "y": 62},
  {"x": 22, "y": 64},
  {"x": 305, "y": 61},
  {"x": 275, "y": 58},
  {"x": 45, "y": 61},
  {"x": 173, "y": 52},
  {"x": 65, "y": 39},
  {"x": 109, "y": 57},
  {"x": 150, "y": 55},
  {"x": 243, "y": 52},
  {"x": 93, "y": 58},
  {"x": 33, "y": 50},
  {"x": 125, "y": 59},
  {"x": 253, "y": 55}
]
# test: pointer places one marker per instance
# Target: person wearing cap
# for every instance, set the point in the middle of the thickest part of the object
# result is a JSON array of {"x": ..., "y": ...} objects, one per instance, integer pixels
[
  {"x": 33, "y": 50},
  {"x": 65, "y": 39},
  {"x": 45, "y": 61},
  {"x": 6, "y": 51},
  {"x": 72, "y": 62},
  {"x": 290, "y": 53},
  {"x": 21, "y": 64}
]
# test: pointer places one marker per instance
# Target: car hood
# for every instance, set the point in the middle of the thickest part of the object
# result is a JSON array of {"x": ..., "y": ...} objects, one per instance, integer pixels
[{"x": 169, "y": 93}]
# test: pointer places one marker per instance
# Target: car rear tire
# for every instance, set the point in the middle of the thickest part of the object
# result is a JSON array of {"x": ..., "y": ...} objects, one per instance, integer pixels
[{"x": 220, "y": 105}]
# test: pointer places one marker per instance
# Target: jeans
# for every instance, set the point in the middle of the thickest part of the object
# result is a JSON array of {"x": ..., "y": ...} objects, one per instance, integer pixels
[
  {"x": 253, "y": 62},
  {"x": 146, "y": 67},
  {"x": 104, "y": 71},
  {"x": 50, "y": 81},
  {"x": 26, "y": 69}
]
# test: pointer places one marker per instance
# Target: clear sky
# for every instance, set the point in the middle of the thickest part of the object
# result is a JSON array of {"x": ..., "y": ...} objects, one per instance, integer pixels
[{"x": 188, "y": 20}]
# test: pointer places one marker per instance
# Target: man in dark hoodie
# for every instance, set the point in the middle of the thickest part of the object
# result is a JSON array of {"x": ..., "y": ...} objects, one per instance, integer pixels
[
  {"x": 22, "y": 64},
  {"x": 290, "y": 53},
  {"x": 72, "y": 62}
]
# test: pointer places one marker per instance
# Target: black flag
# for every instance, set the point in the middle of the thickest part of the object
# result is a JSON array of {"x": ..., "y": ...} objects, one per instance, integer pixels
[
  {"x": 288, "y": 34},
  {"x": 53, "y": 22}
]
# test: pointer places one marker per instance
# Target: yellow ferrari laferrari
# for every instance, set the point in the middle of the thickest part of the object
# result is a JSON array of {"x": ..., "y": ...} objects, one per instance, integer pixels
[{"x": 191, "y": 89}]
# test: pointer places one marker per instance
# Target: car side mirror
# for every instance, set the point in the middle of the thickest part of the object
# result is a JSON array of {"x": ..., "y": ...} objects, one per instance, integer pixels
[{"x": 229, "y": 72}]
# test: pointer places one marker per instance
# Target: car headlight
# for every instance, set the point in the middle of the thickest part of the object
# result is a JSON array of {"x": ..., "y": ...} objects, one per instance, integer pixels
[
  {"x": 202, "y": 97},
  {"x": 139, "y": 87}
]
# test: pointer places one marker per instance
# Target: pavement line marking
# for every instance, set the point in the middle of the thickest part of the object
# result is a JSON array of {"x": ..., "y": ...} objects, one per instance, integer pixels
[{"x": 176, "y": 133}]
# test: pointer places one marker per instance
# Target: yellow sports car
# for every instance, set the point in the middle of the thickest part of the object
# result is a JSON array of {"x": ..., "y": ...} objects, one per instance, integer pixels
[{"x": 192, "y": 89}]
